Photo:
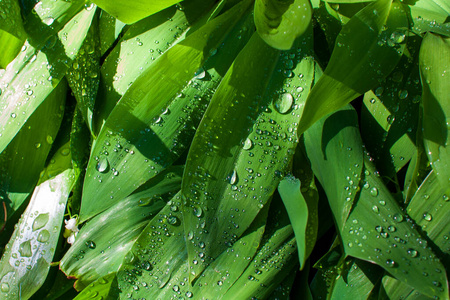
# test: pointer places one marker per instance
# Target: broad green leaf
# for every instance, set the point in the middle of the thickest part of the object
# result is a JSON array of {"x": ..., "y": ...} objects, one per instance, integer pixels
[
  {"x": 34, "y": 73},
  {"x": 341, "y": 160},
  {"x": 104, "y": 288},
  {"x": 376, "y": 229},
  {"x": 157, "y": 274},
  {"x": 349, "y": 1},
  {"x": 131, "y": 11},
  {"x": 390, "y": 114},
  {"x": 24, "y": 158},
  {"x": 12, "y": 33},
  {"x": 358, "y": 283},
  {"x": 279, "y": 23},
  {"x": 394, "y": 289},
  {"x": 243, "y": 145},
  {"x": 434, "y": 70},
  {"x": 140, "y": 47},
  {"x": 299, "y": 215},
  {"x": 275, "y": 259},
  {"x": 84, "y": 74},
  {"x": 430, "y": 15},
  {"x": 102, "y": 243},
  {"x": 429, "y": 209},
  {"x": 367, "y": 50},
  {"x": 156, "y": 118},
  {"x": 27, "y": 257},
  {"x": 109, "y": 30}
]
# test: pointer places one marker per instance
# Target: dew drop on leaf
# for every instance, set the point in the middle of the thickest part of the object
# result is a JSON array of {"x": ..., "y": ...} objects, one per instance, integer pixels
[
  {"x": 284, "y": 103},
  {"x": 412, "y": 252},
  {"x": 248, "y": 144},
  {"x": 43, "y": 236},
  {"x": 427, "y": 217},
  {"x": 390, "y": 263},
  {"x": 4, "y": 287},
  {"x": 374, "y": 192},
  {"x": 90, "y": 244},
  {"x": 25, "y": 249},
  {"x": 102, "y": 165},
  {"x": 40, "y": 221}
]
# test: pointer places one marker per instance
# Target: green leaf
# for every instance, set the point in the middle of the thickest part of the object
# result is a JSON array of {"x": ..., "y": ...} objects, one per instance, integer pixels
[
  {"x": 364, "y": 53},
  {"x": 105, "y": 288},
  {"x": 111, "y": 234},
  {"x": 279, "y": 23},
  {"x": 141, "y": 45},
  {"x": 34, "y": 73},
  {"x": 394, "y": 289},
  {"x": 12, "y": 33},
  {"x": 243, "y": 145},
  {"x": 24, "y": 158},
  {"x": 156, "y": 118},
  {"x": 326, "y": 149},
  {"x": 429, "y": 209},
  {"x": 109, "y": 30},
  {"x": 27, "y": 257},
  {"x": 434, "y": 69},
  {"x": 376, "y": 229},
  {"x": 390, "y": 112},
  {"x": 299, "y": 215},
  {"x": 131, "y": 11},
  {"x": 84, "y": 74}
]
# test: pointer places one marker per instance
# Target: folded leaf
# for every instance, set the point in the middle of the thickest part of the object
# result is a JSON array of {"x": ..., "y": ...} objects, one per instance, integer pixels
[
  {"x": 279, "y": 23},
  {"x": 367, "y": 49},
  {"x": 434, "y": 71}
]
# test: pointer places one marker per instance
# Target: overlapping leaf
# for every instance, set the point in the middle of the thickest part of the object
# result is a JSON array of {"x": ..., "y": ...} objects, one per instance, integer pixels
[
  {"x": 12, "y": 33},
  {"x": 156, "y": 118},
  {"x": 102, "y": 243},
  {"x": 279, "y": 23},
  {"x": 24, "y": 158},
  {"x": 434, "y": 71},
  {"x": 27, "y": 257},
  {"x": 243, "y": 145},
  {"x": 367, "y": 49},
  {"x": 34, "y": 73},
  {"x": 130, "y": 11},
  {"x": 376, "y": 229}
]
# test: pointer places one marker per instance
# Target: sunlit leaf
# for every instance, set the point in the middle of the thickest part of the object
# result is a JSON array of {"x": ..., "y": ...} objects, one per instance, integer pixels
[
  {"x": 429, "y": 209},
  {"x": 130, "y": 11},
  {"x": 279, "y": 23},
  {"x": 102, "y": 243},
  {"x": 27, "y": 257},
  {"x": 367, "y": 49},
  {"x": 434, "y": 71},
  {"x": 24, "y": 158},
  {"x": 34, "y": 73},
  {"x": 156, "y": 118},
  {"x": 12, "y": 33},
  {"x": 394, "y": 289},
  {"x": 243, "y": 144},
  {"x": 104, "y": 288}
]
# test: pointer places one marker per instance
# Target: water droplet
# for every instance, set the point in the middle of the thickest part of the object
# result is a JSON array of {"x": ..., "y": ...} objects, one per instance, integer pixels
[
  {"x": 4, "y": 287},
  {"x": 90, "y": 244},
  {"x": 375, "y": 209},
  {"x": 48, "y": 21},
  {"x": 234, "y": 177},
  {"x": 25, "y": 249},
  {"x": 379, "y": 91},
  {"x": 103, "y": 165},
  {"x": 189, "y": 294},
  {"x": 173, "y": 220},
  {"x": 49, "y": 139},
  {"x": 40, "y": 221},
  {"x": 427, "y": 217},
  {"x": 283, "y": 103},
  {"x": 219, "y": 283},
  {"x": 43, "y": 236},
  {"x": 197, "y": 210},
  {"x": 248, "y": 144},
  {"x": 412, "y": 252},
  {"x": 13, "y": 115},
  {"x": 390, "y": 119},
  {"x": 403, "y": 94},
  {"x": 398, "y": 218},
  {"x": 374, "y": 192},
  {"x": 176, "y": 288},
  {"x": 65, "y": 151},
  {"x": 390, "y": 263},
  {"x": 396, "y": 38}
]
